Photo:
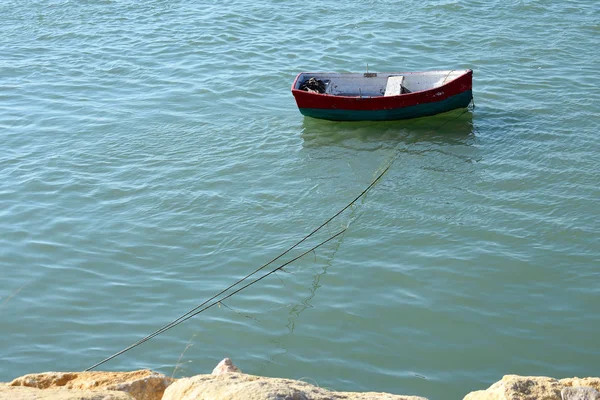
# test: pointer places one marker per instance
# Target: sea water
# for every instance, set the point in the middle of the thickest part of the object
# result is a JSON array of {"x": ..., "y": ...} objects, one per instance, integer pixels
[{"x": 152, "y": 154}]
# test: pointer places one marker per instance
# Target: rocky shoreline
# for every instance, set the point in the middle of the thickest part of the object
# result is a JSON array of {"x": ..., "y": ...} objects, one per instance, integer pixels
[{"x": 228, "y": 382}]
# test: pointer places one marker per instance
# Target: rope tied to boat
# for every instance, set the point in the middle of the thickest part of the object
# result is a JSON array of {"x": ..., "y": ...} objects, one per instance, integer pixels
[
  {"x": 214, "y": 300},
  {"x": 444, "y": 81}
]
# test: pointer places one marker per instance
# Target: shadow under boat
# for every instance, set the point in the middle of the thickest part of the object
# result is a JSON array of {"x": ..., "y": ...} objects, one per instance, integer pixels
[{"x": 453, "y": 127}]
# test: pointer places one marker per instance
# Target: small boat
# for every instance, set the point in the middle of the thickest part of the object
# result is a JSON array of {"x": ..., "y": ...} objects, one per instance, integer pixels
[{"x": 381, "y": 96}]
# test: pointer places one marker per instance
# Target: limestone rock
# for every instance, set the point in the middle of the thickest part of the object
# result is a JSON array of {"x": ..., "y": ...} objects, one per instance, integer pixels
[
  {"x": 482, "y": 395},
  {"x": 514, "y": 387},
  {"x": 237, "y": 386},
  {"x": 31, "y": 393},
  {"x": 579, "y": 393},
  {"x": 224, "y": 367},
  {"x": 582, "y": 382},
  {"x": 141, "y": 385}
]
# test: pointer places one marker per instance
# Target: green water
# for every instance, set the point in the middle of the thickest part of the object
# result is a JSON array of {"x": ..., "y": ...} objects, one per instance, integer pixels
[{"x": 152, "y": 154}]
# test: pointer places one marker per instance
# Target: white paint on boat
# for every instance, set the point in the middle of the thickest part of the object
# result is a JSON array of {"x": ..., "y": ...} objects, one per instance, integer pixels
[{"x": 394, "y": 85}]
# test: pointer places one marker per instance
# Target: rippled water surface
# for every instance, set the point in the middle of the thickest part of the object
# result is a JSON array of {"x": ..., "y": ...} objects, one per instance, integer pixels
[{"x": 152, "y": 154}]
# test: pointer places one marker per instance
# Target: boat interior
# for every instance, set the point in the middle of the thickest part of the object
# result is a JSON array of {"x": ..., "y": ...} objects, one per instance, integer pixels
[{"x": 377, "y": 84}]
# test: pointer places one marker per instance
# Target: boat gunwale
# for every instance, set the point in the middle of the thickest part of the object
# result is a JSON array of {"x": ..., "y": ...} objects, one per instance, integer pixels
[{"x": 466, "y": 72}]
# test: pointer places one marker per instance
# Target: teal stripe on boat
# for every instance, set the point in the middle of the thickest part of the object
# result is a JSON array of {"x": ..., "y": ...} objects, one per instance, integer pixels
[{"x": 460, "y": 100}]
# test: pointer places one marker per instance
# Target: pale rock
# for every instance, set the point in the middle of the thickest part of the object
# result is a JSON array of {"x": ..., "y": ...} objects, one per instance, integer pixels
[
  {"x": 31, "y": 393},
  {"x": 224, "y": 367},
  {"x": 579, "y": 393},
  {"x": 237, "y": 386},
  {"x": 581, "y": 382},
  {"x": 514, "y": 387},
  {"x": 141, "y": 385}
]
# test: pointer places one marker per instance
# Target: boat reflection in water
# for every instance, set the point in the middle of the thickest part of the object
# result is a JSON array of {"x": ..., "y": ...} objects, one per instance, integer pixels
[{"x": 454, "y": 127}]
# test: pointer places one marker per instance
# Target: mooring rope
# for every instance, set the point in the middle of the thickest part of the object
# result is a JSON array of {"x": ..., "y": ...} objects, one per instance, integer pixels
[
  {"x": 444, "y": 81},
  {"x": 189, "y": 315},
  {"x": 195, "y": 311},
  {"x": 458, "y": 116},
  {"x": 205, "y": 305}
]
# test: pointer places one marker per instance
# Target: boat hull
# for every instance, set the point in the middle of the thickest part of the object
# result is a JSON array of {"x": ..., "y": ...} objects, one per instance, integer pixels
[
  {"x": 452, "y": 95},
  {"x": 460, "y": 100}
]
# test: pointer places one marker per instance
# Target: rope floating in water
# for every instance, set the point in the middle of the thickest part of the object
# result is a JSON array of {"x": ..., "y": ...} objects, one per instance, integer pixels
[
  {"x": 202, "y": 307},
  {"x": 205, "y": 305}
]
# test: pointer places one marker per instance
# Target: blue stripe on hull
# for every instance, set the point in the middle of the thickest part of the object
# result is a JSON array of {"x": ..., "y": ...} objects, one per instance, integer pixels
[{"x": 460, "y": 100}]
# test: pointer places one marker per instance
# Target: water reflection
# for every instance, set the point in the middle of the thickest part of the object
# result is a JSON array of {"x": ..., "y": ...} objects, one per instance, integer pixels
[
  {"x": 455, "y": 127},
  {"x": 443, "y": 143},
  {"x": 297, "y": 308}
]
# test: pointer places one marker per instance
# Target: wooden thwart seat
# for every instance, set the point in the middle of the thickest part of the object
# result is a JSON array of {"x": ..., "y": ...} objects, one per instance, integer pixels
[{"x": 394, "y": 85}]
